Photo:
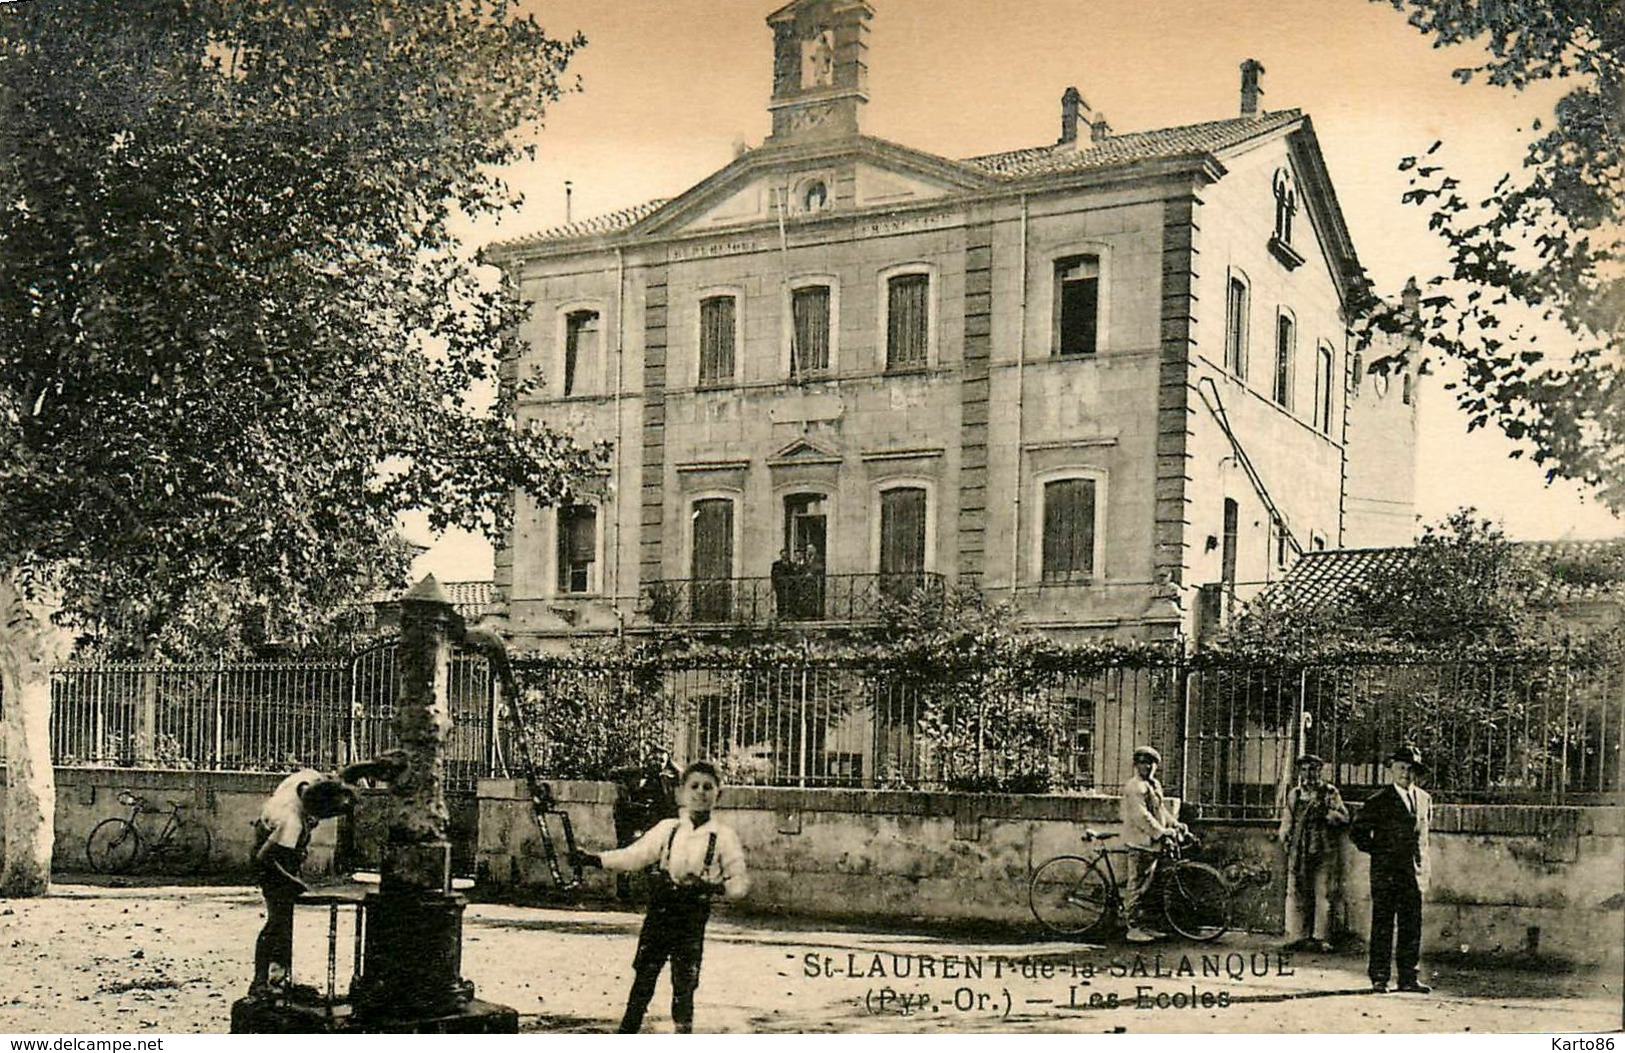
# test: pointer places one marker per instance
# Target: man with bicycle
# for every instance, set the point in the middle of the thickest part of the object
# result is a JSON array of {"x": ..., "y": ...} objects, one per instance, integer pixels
[{"x": 1148, "y": 819}]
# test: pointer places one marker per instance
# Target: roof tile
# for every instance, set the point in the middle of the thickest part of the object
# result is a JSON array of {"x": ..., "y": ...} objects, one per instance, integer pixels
[{"x": 1131, "y": 147}]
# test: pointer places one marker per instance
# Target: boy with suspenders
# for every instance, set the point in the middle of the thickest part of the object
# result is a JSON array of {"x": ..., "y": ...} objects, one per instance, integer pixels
[{"x": 698, "y": 858}]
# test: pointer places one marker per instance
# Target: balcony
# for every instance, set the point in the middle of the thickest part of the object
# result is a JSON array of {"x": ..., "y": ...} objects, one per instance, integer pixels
[{"x": 842, "y": 599}]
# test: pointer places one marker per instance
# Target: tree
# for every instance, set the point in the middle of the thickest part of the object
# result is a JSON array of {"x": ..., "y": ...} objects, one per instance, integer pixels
[
  {"x": 1532, "y": 305},
  {"x": 237, "y": 336},
  {"x": 1462, "y": 585}
]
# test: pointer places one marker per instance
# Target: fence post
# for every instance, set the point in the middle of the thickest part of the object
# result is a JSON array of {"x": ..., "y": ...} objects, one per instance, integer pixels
[
  {"x": 146, "y": 719},
  {"x": 1182, "y": 677},
  {"x": 217, "y": 741},
  {"x": 493, "y": 721}
]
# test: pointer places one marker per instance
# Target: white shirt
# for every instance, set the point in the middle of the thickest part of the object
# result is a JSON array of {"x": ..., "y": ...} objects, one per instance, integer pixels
[
  {"x": 284, "y": 814},
  {"x": 686, "y": 858}
]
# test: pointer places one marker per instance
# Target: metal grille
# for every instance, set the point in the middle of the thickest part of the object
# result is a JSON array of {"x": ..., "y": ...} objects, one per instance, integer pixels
[
  {"x": 257, "y": 716},
  {"x": 1537, "y": 732},
  {"x": 821, "y": 724}
]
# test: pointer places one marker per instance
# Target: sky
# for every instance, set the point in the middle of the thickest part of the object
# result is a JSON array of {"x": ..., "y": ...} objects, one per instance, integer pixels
[{"x": 666, "y": 88}]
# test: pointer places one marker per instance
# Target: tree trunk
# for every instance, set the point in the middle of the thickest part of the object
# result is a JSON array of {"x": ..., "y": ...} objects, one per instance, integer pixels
[{"x": 29, "y": 646}]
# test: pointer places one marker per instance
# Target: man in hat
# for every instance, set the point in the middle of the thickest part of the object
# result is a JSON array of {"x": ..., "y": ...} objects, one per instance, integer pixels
[
  {"x": 1148, "y": 818},
  {"x": 1392, "y": 828},
  {"x": 1313, "y": 816}
]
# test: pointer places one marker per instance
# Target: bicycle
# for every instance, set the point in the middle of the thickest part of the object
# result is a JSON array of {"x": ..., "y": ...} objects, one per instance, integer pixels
[
  {"x": 1078, "y": 896},
  {"x": 116, "y": 845}
]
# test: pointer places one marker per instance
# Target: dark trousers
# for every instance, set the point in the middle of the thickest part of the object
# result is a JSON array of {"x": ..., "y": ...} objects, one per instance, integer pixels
[
  {"x": 674, "y": 930},
  {"x": 1396, "y": 901},
  {"x": 275, "y": 942}
]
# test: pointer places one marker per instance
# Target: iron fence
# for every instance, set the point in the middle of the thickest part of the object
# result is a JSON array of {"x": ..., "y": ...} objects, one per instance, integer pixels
[
  {"x": 1535, "y": 731},
  {"x": 817, "y": 723},
  {"x": 258, "y": 716}
]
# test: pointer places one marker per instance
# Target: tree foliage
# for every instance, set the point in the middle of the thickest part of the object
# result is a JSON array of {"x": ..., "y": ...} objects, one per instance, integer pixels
[
  {"x": 1462, "y": 587},
  {"x": 237, "y": 334},
  {"x": 1532, "y": 303}
]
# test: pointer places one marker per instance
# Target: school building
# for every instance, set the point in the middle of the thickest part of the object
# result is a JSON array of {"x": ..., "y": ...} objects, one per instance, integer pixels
[{"x": 1091, "y": 377}]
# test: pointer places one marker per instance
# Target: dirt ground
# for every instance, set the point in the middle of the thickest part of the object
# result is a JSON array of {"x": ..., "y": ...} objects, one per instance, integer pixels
[{"x": 97, "y": 958}]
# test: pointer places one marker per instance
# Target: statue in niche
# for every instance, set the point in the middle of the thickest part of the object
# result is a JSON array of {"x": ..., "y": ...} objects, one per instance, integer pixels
[{"x": 818, "y": 59}]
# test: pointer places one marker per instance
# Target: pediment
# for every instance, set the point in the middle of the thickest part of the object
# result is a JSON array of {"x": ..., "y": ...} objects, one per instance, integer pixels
[
  {"x": 804, "y": 451},
  {"x": 857, "y": 174}
]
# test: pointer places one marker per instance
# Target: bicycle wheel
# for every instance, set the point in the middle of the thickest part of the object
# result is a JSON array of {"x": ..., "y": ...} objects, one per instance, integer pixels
[
  {"x": 113, "y": 847},
  {"x": 1070, "y": 896},
  {"x": 1196, "y": 901},
  {"x": 190, "y": 846}
]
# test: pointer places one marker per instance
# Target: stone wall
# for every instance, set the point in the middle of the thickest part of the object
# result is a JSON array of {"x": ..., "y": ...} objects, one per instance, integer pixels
[
  {"x": 1508, "y": 880},
  {"x": 227, "y": 802}
]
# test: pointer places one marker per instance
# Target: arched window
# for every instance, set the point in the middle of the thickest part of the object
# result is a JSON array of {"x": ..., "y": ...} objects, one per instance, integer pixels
[
  {"x": 1286, "y": 343},
  {"x": 1236, "y": 308}
]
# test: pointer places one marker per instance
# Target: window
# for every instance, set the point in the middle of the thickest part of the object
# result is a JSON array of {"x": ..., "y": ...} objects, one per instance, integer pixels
[
  {"x": 1082, "y": 713},
  {"x": 908, "y": 321},
  {"x": 1286, "y": 205},
  {"x": 711, "y": 560},
  {"x": 717, "y": 328},
  {"x": 902, "y": 540},
  {"x": 1077, "y": 305},
  {"x": 809, "y": 331},
  {"x": 798, "y": 594},
  {"x": 1323, "y": 389},
  {"x": 1352, "y": 366},
  {"x": 1235, "y": 328},
  {"x": 577, "y": 548},
  {"x": 1285, "y": 340},
  {"x": 1406, "y": 392},
  {"x": 1278, "y": 528},
  {"x": 580, "y": 348},
  {"x": 1069, "y": 531}
]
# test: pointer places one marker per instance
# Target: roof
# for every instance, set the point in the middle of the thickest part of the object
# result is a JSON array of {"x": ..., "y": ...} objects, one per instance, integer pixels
[
  {"x": 1576, "y": 570},
  {"x": 471, "y": 599},
  {"x": 1133, "y": 147},
  {"x": 592, "y": 227},
  {"x": 1116, "y": 150}
]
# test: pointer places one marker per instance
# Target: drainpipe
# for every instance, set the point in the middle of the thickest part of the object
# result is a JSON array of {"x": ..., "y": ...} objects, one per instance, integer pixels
[
  {"x": 620, "y": 446},
  {"x": 1021, "y": 395}
]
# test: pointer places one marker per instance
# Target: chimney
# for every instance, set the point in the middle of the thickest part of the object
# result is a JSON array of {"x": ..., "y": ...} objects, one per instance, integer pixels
[
  {"x": 1071, "y": 104},
  {"x": 1099, "y": 130},
  {"x": 1251, "y": 70},
  {"x": 1411, "y": 299}
]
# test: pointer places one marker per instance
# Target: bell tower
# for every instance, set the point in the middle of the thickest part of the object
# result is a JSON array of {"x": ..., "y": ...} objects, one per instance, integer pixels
[{"x": 820, "y": 68}]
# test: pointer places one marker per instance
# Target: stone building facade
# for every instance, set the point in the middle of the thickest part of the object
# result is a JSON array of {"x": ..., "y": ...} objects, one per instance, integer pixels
[{"x": 1091, "y": 376}]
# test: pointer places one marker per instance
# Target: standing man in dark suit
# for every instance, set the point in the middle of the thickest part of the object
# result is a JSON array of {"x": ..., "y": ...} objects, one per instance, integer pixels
[{"x": 1392, "y": 828}]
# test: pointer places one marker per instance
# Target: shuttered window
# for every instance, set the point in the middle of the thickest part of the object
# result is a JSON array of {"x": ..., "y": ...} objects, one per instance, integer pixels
[
  {"x": 809, "y": 353},
  {"x": 907, "y": 321},
  {"x": 902, "y": 540},
  {"x": 1069, "y": 531},
  {"x": 577, "y": 548},
  {"x": 580, "y": 348},
  {"x": 1235, "y": 329},
  {"x": 1077, "y": 305},
  {"x": 711, "y": 565},
  {"x": 716, "y": 340}
]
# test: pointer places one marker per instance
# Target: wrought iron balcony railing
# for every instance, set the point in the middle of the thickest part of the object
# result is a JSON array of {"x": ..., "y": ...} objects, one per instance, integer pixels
[{"x": 802, "y": 597}]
